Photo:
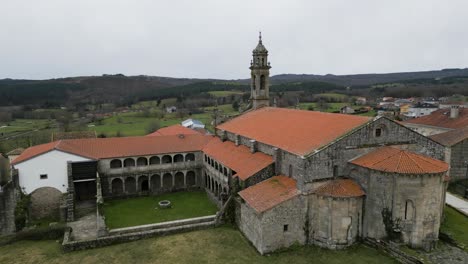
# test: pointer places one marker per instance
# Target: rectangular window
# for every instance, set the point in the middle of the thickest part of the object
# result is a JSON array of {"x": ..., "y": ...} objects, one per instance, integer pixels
[
  {"x": 43, "y": 176},
  {"x": 285, "y": 228},
  {"x": 378, "y": 132}
]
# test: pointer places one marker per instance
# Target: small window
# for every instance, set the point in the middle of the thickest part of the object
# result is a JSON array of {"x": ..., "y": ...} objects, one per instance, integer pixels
[
  {"x": 290, "y": 170},
  {"x": 43, "y": 176},
  {"x": 335, "y": 170},
  {"x": 378, "y": 132},
  {"x": 285, "y": 228}
]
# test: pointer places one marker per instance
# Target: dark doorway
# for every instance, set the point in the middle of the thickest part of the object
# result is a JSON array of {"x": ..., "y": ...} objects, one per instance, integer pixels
[{"x": 85, "y": 190}]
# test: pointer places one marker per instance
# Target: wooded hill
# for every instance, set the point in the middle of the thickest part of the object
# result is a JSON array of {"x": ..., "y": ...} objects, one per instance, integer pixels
[{"x": 124, "y": 90}]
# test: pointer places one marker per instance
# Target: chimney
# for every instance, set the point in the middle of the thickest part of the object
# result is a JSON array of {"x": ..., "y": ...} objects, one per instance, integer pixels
[
  {"x": 237, "y": 140},
  {"x": 223, "y": 135},
  {"x": 253, "y": 146},
  {"x": 454, "y": 111}
]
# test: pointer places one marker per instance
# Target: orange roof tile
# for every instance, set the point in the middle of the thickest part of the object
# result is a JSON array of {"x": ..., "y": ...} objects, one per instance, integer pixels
[
  {"x": 101, "y": 148},
  {"x": 174, "y": 130},
  {"x": 238, "y": 158},
  {"x": 395, "y": 160},
  {"x": 296, "y": 131},
  {"x": 441, "y": 118},
  {"x": 452, "y": 137},
  {"x": 340, "y": 188},
  {"x": 270, "y": 193}
]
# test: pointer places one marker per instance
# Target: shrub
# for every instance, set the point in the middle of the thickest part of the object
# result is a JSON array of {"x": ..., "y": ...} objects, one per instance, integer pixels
[{"x": 21, "y": 211}]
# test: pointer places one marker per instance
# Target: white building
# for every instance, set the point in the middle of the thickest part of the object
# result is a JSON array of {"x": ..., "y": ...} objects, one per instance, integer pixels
[{"x": 193, "y": 123}]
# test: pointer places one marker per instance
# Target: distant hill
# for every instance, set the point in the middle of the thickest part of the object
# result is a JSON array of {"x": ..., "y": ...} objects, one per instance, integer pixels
[
  {"x": 369, "y": 79},
  {"x": 122, "y": 90}
]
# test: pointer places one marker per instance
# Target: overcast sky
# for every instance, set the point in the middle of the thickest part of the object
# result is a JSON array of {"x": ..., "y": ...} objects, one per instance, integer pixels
[{"x": 214, "y": 38}]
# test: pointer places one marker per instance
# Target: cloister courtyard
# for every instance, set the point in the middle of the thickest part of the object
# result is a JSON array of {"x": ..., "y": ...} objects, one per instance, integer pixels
[{"x": 145, "y": 210}]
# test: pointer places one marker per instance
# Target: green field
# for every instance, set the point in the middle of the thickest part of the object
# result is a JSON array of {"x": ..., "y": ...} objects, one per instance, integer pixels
[
  {"x": 332, "y": 107},
  {"x": 219, "y": 245},
  {"x": 335, "y": 96},
  {"x": 122, "y": 213},
  {"x": 223, "y": 109},
  {"x": 225, "y": 93},
  {"x": 24, "y": 125}
]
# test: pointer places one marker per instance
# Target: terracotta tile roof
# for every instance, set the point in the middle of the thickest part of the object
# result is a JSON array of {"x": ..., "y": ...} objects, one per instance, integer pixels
[
  {"x": 340, "y": 188},
  {"x": 174, "y": 130},
  {"x": 452, "y": 137},
  {"x": 441, "y": 118},
  {"x": 296, "y": 131},
  {"x": 238, "y": 158},
  {"x": 390, "y": 159},
  {"x": 270, "y": 193},
  {"x": 73, "y": 135},
  {"x": 101, "y": 148}
]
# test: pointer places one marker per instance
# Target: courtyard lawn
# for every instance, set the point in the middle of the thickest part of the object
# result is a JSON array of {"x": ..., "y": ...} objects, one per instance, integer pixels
[
  {"x": 219, "y": 245},
  {"x": 456, "y": 225},
  {"x": 145, "y": 210}
]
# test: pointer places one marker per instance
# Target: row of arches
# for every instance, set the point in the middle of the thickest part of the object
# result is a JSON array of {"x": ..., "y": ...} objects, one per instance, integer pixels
[
  {"x": 218, "y": 190},
  {"x": 154, "y": 160},
  {"x": 217, "y": 166},
  {"x": 153, "y": 183}
]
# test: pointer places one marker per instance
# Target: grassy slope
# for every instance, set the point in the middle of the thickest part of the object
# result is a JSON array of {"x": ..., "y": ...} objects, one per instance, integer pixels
[
  {"x": 456, "y": 225},
  {"x": 142, "y": 210},
  {"x": 224, "y": 93},
  {"x": 220, "y": 245}
]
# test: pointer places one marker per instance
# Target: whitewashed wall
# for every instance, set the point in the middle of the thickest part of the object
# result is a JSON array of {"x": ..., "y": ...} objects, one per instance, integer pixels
[{"x": 53, "y": 163}]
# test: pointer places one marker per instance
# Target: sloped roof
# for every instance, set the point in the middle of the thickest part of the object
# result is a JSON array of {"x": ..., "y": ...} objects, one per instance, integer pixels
[
  {"x": 340, "y": 188},
  {"x": 101, "y": 148},
  {"x": 296, "y": 131},
  {"x": 174, "y": 130},
  {"x": 238, "y": 158},
  {"x": 270, "y": 193},
  {"x": 452, "y": 137},
  {"x": 389, "y": 159},
  {"x": 441, "y": 118}
]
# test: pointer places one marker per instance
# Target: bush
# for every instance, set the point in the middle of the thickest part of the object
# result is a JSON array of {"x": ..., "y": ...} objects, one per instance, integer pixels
[
  {"x": 21, "y": 211},
  {"x": 43, "y": 233}
]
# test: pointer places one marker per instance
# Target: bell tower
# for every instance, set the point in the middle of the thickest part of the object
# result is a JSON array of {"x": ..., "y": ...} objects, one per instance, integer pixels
[{"x": 260, "y": 76}]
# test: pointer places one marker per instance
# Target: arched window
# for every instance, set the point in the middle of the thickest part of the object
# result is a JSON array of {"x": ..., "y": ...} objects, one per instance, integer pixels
[
  {"x": 335, "y": 170},
  {"x": 129, "y": 163},
  {"x": 290, "y": 170},
  {"x": 409, "y": 210},
  {"x": 155, "y": 160},
  {"x": 166, "y": 159},
  {"x": 216, "y": 166},
  {"x": 379, "y": 131},
  {"x": 142, "y": 161},
  {"x": 191, "y": 181},
  {"x": 225, "y": 172},
  {"x": 116, "y": 163},
  {"x": 262, "y": 82},
  {"x": 190, "y": 157},
  {"x": 178, "y": 158}
]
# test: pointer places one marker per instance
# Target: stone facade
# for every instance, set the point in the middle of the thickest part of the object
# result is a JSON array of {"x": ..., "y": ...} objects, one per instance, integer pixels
[
  {"x": 334, "y": 222},
  {"x": 457, "y": 157},
  {"x": 45, "y": 202},
  {"x": 280, "y": 227},
  {"x": 8, "y": 198}
]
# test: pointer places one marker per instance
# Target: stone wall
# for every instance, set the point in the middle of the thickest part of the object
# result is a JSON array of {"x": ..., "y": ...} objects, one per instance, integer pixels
[
  {"x": 279, "y": 227},
  {"x": 414, "y": 203},
  {"x": 8, "y": 200},
  {"x": 45, "y": 202},
  {"x": 335, "y": 157},
  {"x": 334, "y": 222},
  {"x": 459, "y": 160}
]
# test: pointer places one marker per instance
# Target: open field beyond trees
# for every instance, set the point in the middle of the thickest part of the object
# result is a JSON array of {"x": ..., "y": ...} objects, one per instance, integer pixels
[
  {"x": 219, "y": 245},
  {"x": 145, "y": 210}
]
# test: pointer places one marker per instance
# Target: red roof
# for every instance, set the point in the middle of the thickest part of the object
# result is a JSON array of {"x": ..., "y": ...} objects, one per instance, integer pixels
[
  {"x": 340, "y": 188},
  {"x": 101, "y": 148},
  {"x": 174, "y": 130},
  {"x": 270, "y": 193},
  {"x": 441, "y": 118},
  {"x": 238, "y": 158},
  {"x": 390, "y": 159},
  {"x": 452, "y": 137},
  {"x": 296, "y": 131}
]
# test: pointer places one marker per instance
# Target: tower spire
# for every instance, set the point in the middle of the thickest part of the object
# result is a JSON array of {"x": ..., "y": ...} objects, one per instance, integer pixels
[
  {"x": 260, "y": 72},
  {"x": 260, "y": 37}
]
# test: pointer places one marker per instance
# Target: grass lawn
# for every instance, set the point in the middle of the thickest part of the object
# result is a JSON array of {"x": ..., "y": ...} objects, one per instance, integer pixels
[
  {"x": 23, "y": 125},
  {"x": 456, "y": 225},
  {"x": 142, "y": 210},
  {"x": 219, "y": 245}
]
